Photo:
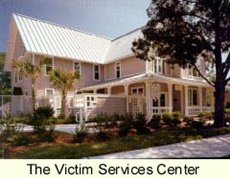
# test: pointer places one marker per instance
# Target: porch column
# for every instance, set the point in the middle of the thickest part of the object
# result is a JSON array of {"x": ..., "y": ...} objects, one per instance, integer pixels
[
  {"x": 186, "y": 100},
  {"x": 170, "y": 93},
  {"x": 148, "y": 101},
  {"x": 109, "y": 90},
  {"x": 126, "y": 87},
  {"x": 200, "y": 98}
]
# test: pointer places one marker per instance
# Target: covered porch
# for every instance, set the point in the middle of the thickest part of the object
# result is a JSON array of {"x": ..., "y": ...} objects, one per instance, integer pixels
[{"x": 150, "y": 95}]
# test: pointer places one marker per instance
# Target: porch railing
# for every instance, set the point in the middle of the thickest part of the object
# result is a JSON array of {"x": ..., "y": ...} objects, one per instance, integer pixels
[
  {"x": 195, "y": 110},
  {"x": 161, "y": 110}
]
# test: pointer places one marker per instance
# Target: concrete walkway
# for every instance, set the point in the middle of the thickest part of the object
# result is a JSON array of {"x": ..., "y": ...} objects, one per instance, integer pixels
[{"x": 211, "y": 147}]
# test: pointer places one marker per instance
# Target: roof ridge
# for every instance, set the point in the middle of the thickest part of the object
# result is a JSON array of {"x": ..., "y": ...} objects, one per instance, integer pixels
[
  {"x": 128, "y": 33},
  {"x": 62, "y": 26}
]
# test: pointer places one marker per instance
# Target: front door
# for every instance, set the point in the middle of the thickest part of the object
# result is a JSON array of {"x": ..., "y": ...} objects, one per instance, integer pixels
[{"x": 137, "y": 100}]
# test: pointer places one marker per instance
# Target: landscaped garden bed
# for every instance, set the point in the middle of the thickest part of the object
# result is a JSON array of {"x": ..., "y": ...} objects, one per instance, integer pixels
[{"x": 110, "y": 134}]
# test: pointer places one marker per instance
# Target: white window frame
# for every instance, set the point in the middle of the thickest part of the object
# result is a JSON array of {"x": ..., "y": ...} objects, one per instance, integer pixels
[
  {"x": 99, "y": 73},
  {"x": 166, "y": 100},
  {"x": 190, "y": 96},
  {"x": 74, "y": 62},
  {"x": 137, "y": 88},
  {"x": 26, "y": 92},
  {"x": 45, "y": 72},
  {"x": 158, "y": 66},
  {"x": 117, "y": 64},
  {"x": 46, "y": 89},
  {"x": 191, "y": 73}
]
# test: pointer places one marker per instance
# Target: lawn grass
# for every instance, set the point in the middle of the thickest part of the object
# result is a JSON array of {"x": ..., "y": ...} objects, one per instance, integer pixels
[{"x": 84, "y": 150}]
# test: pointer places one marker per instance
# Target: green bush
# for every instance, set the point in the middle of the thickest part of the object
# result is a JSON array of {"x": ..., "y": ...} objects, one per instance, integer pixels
[
  {"x": 155, "y": 122},
  {"x": 125, "y": 126},
  {"x": 206, "y": 115},
  {"x": 22, "y": 139},
  {"x": 167, "y": 118},
  {"x": 41, "y": 118},
  {"x": 140, "y": 124},
  {"x": 102, "y": 135},
  {"x": 71, "y": 119},
  {"x": 8, "y": 128},
  {"x": 48, "y": 134},
  {"x": 172, "y": 119},
  {"x": 80, "y": 134}
]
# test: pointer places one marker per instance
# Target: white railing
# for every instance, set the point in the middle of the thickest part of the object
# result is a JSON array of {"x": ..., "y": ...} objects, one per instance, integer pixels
[
  {"x": 195, "y": 110},
  {"x": 161, "y": 110}
]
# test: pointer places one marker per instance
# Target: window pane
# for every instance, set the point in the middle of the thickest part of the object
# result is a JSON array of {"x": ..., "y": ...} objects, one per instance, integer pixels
[
  {"x": 76, "y": 66},
  {"x": 162, "y": 100},
  {"x": 155, "y": 102},
  {"x": 195, "y": 97}
]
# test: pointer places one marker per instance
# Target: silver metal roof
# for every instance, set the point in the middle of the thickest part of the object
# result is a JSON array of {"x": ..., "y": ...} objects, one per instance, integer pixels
[{"x": 47, "y": 38}]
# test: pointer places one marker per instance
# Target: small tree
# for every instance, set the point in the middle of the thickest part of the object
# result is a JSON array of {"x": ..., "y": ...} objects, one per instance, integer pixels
[
  {"x": 65, "y": 81},
  {"x": 182, "y": 31},
  {"x": 28, "y": 69}
]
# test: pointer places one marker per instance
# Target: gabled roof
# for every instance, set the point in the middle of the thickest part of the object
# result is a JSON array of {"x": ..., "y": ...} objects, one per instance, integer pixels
[{"x": 47, "y": 38}]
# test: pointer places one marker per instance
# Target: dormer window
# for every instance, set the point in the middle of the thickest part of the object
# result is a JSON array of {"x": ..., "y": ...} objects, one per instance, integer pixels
[
  {"x": 158, "y": 66},
  {"x": 96, "y": 72},
  {"x": 193, "y": 72},
  {"x": 118, "y": 70}
]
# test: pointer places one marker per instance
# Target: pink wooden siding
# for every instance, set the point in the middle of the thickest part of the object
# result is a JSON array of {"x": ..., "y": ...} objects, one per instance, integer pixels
[
  {"x": 106, "y": 105},
  {"x": 129, "y": 66}
]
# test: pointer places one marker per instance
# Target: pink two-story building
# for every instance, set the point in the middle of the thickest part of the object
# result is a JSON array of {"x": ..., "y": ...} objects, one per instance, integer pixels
[{"x": 113, "y": 80}]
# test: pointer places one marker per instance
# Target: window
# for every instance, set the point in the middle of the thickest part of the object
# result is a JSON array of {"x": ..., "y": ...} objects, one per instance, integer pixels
[
  {"x": 91, "y": 102},
  {"x": 161, "y": 102},
  {"x": 193, "y": 72},
  {"x": 26, "y": 92},
  {"x": 96, "y": 72},
  {"x": 118, "y": 70},
  {"x": 193, "y": 96},
  {"x": 49, "y": 92},
  {"x": 77, "y": 67},
  {"x": 158, "y": 66},
  {"x": 138, "y": 91},
  {"x": 48, "y": 66}
]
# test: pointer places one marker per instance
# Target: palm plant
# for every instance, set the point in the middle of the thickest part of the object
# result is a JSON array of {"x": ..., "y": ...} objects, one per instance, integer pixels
[
  {"x": 64, "y": 81},
  {"x": 28, "y": 69}
]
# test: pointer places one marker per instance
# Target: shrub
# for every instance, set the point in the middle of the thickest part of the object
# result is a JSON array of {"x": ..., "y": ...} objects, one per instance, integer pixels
[
  {"x": 140, "y": 124},
  {"x": 197, "y": 124},
  {"x": 41, "y": 118},
  {"x": 71, "y": 119},
  {"x": 102, "y": 122},
  {"x": 155, "y": 122},
  {"x": 206, "y": 115},
  {"x": 8, "y": 128},
  {"x": 227, "y": 105},
  {"x": 172, "y": 119},
  {"x": 125, "y": 126},
  {"x": 22, "y": 139},
  {"x": 102, "y": 135},
  {"x": 167, "y": 118},
  {"x": 80, "y": 134},
  {"x": 46, "y": 136}
]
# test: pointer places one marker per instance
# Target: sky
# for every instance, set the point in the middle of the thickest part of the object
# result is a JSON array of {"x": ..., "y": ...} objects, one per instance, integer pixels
[{"x": 109, "y": 18}]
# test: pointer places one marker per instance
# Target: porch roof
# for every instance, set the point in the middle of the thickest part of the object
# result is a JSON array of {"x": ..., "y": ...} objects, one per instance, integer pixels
[{"x": 146, "y": 77}]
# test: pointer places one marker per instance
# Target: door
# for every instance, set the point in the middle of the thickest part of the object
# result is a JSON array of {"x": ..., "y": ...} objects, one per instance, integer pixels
[{"x": 137, "y": 100}]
